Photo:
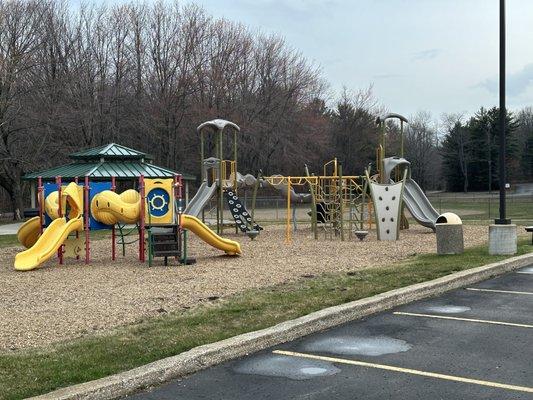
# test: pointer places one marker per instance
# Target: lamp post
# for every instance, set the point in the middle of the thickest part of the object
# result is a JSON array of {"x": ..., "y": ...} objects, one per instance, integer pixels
[
  {"x": 502, "y": 220},
  {"x": 502, "y": 235}
]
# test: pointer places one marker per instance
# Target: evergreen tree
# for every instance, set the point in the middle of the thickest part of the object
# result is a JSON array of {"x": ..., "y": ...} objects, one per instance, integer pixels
[
  {"x": 484, "y": 131},
  {"x": 456, "y": 155}
]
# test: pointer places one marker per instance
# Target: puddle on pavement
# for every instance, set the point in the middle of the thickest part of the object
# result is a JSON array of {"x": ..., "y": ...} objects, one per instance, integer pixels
[
  {"x": 447, "y": 309},
  {"x": 285, "y": 367},
  {"x": 354, "y": 345}
]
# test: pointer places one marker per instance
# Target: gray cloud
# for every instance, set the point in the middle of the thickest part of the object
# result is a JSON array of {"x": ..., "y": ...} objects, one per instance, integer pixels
[
  {"x": 428, "y": 54},
  {"x": 516, "y": 82}
]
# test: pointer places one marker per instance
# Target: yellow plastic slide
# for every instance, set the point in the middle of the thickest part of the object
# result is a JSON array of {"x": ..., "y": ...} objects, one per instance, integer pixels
[
  {"x": 56, "y": 233},
  {"x": 207, "y": 235},
  {"x": 48, "y": 244},
  {"x": 109, "y": 207},
  {"x": 29, "y": 232}
]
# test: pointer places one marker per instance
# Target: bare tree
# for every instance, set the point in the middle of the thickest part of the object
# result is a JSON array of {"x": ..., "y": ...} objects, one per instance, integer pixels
[
  {"x": 20, "y": 24},
  {"x": 421, "y": 149}
]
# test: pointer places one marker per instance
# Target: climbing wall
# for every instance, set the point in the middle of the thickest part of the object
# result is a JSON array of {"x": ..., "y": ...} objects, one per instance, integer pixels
[
  {"x": 387, "y": 209},
  {"x": 241, "y": 216}
]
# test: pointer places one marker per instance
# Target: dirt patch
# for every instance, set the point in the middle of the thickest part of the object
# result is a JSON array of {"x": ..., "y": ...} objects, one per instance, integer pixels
[{"x": 59, "y": 302}]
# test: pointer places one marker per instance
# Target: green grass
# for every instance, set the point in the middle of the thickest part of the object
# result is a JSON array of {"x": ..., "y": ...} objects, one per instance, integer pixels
[
  {"x": 8, "y": 240},
  {"x": 485, "y": 209},
  {"x": 31, "y": 372}
]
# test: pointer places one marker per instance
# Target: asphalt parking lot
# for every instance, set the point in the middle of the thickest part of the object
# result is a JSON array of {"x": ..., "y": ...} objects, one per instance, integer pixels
[{"x": 471, "y": 343}]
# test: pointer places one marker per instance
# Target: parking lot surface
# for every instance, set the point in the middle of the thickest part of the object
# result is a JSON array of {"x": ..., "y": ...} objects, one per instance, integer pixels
[{"x": 471, "y": 343}]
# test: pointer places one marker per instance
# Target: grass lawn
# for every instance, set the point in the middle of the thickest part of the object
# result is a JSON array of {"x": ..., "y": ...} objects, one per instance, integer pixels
[
  {"x": 8, "y": 240},
  {"x": 31, "y": 372},
  {"x": 520, "y": 210}
]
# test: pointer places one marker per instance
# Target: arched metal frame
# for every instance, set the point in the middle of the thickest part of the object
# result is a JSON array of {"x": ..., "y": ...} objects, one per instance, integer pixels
[{"x": 218, "y": 126}]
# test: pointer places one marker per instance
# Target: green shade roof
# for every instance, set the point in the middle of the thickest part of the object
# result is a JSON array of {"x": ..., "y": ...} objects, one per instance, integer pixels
[
  {"x": 106, "y": 170},
  {"x": 104, "y": 162},
  {"x": 110, "y": 151}
]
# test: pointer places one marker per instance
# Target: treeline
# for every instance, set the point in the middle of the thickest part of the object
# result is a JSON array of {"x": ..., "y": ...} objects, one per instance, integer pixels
[
  {"x": 471, "y": 146},
  {"x": 146, "y": 75}
]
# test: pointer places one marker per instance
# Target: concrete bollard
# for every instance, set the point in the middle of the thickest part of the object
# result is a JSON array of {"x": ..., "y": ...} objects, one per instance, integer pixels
[{"x": 449, "y": 232}]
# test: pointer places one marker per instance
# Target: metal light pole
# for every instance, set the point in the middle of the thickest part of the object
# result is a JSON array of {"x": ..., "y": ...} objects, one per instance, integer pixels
[{"x": 502, "y": 220}]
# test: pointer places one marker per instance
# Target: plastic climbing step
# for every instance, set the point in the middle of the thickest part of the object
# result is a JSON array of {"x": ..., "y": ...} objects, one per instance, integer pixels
[
  {"x": 241, "y": 216},
  {"x": 165, "y": 242}
]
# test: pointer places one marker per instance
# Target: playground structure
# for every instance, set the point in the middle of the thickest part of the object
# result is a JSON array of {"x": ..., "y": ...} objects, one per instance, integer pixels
[
  {"x": 337, "y": 201},
  {"x": 340, "y": 205},
  {"x": 220, "y": 179},
  {"x": 69, "y": 211},
  {"x": 412, "y": 196}
]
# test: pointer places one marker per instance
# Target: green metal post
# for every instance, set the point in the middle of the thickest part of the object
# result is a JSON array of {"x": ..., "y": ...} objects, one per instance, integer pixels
[
  {"x": 184, "y": 257},
  {"x": 235, "y": 151},
  {"x": 382, "y": 156},
  {"x": 401, "y": 138},
  {"x": 341, "y": 208},
  {"x": 254, "y": 195},
  {"x": 202, "y": 155},
  {"x": 363, "y": 202}
]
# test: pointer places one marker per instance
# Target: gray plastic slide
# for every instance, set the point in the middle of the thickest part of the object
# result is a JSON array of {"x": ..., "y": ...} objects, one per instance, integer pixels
[
  {"x": 418, "y": 204},
  {"x": 200, "y": 199},
  {"x": 413, "y": 196},
  {"x": 205, "y": 192}
]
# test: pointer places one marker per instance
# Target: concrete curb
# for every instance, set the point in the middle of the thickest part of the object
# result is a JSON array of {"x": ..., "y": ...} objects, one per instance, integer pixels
[{"x": 202, "y": 357}]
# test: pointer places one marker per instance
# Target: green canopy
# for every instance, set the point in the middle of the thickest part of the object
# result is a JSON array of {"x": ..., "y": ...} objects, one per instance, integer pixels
[{"x": 105, "y": 162}]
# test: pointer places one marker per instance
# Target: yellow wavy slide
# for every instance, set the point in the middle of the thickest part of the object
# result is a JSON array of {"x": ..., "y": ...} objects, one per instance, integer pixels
[
  {"x": 55, "y": 234},
  {"x": 207, "y": 235}
]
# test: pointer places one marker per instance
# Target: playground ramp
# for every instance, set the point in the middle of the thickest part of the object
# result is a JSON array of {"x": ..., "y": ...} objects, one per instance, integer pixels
[
  {"x": 419, "y": 205},
  {"x": 48, "y": 244},
  {"x": 196, "y": 226},
  {"x": 200, "y": 199}
]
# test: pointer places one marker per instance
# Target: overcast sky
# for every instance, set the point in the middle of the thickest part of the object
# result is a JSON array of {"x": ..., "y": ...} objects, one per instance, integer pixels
[{"x": 435, "y": 55}]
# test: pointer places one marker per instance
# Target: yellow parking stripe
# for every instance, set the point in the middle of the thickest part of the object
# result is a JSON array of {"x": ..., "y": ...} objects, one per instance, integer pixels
[
  {"x": 407, "y": 371},
  {"x": 499, "y": 291},
  {"x": 481, "y": 321}
]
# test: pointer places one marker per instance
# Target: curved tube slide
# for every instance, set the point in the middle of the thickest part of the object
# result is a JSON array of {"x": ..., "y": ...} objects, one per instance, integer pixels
[
  {"x": 196, "y": 226},
  {"x": 29, "y": 232},
  {"x": 110, "y": 208}
]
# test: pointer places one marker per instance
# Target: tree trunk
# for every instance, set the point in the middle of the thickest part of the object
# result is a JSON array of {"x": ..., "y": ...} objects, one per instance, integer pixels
[{"x": 17, "y": 205}]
